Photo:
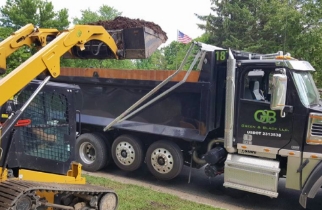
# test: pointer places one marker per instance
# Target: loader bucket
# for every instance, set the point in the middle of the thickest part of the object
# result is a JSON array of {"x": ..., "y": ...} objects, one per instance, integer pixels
[
  {"x": 137, "y": 43},
  {"x": 135, "y": 39}
]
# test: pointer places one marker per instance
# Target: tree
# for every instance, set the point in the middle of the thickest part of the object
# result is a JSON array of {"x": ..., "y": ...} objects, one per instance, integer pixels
[
  {"x": 18, "y": 13},
  {"x": 252, "y": 25},
  {"x": 174, "y": 55},
  {"x": 267, "y": 26},
  {"x": 154, "y": 62},
  {"x": 5, "y": 32},
  {"x": 20, "y": 55},
  {"x": 104, "y": 13},
  {"x": 309, "y": 41}
]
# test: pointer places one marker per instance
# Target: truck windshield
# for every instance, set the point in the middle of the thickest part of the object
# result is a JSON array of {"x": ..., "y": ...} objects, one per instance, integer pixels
[{"x": 307, "y": 90}]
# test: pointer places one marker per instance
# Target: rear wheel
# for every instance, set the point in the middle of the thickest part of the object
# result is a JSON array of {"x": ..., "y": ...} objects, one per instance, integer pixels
[
  {"x": 91, "y": 151},
  {"x": 164, "y": 160},
  {"x": 108, "y": 147},
  {"x": 127, "y": 152}
]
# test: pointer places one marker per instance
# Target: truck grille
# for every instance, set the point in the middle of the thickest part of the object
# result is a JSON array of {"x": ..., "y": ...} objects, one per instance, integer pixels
[{"x": 316, "y": 129}]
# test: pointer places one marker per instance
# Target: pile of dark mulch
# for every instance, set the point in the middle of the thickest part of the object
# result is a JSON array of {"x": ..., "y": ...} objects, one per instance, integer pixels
[{"x": 124, "y": 22}]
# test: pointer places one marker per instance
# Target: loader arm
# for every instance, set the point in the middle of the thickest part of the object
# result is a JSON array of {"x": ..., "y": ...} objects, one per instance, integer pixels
[
  {"x": 47, "y": 59},
  {"x": 25, "y": 36}
]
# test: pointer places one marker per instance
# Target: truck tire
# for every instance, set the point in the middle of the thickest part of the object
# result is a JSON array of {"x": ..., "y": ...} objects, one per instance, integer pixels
[
  {"x": 91, "y": 152},
  {"x": 164, "y": 159},
  {"x": 108, "y": 159},
  {"x": 127, "y": 152}
]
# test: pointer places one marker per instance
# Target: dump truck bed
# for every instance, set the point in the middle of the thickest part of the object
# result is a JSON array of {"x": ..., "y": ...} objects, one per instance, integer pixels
[
  {"x": 190, "y": 112},
  {"x": 180, "y": 113}
]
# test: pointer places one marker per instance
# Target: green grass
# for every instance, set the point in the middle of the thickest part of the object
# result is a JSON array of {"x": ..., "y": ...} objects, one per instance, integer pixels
[{"x": 141, "y": 198}]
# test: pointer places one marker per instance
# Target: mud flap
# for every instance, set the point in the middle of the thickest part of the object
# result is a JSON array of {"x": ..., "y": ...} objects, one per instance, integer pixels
[{"x": 312, "y": 185}]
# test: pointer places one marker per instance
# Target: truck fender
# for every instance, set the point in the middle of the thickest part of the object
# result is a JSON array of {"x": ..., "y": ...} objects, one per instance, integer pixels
[{"x": 312, "y": 185}]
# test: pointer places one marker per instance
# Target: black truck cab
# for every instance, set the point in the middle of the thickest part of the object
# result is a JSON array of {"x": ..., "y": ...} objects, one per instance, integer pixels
[
  {"x": 263, "y": 122},
  {"x": 278, "y": 116}
]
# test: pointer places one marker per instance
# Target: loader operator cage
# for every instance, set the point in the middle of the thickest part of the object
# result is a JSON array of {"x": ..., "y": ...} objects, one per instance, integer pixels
[
  {"x": 50, "y": 136},
  {"x": 45, "y": 136}
]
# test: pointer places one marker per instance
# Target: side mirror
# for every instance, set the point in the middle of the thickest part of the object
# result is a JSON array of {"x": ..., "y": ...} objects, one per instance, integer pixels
[{"x": 279, "y": 88}]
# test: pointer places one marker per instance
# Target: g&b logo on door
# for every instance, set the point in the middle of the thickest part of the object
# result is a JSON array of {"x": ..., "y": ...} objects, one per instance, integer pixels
[{"x": 265, "y": 116}]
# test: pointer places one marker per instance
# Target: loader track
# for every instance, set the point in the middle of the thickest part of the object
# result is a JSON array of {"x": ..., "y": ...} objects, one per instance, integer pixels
[{"x": 21, "y": 195}]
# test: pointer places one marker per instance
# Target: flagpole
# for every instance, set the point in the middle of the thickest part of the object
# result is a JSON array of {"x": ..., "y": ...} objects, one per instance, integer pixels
[{"x": 176, "y": 51}]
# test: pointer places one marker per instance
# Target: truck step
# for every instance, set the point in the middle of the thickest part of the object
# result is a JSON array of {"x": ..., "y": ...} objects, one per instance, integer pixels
[
  {"x": 251, "y": 189},
  {"x": 252, "y": 174}
]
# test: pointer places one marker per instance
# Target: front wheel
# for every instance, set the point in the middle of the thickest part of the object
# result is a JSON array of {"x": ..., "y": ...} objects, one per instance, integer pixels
[
  {"x": 164, "y": 160},
  {"x": 91, "y": 152}
]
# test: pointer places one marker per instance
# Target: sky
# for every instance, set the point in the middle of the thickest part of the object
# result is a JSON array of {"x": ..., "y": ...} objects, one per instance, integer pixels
[{"x": 170, "y": 15}]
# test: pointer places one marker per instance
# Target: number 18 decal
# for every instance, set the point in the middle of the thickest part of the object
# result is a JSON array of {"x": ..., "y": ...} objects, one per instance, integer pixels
[{"x": 221, "y": 55}]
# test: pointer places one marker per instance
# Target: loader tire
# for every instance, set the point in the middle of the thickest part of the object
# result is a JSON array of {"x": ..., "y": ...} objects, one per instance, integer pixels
[
  {"x": 127, "y": 152},
  {"x": 164, "y": 160},
  {"x": 91, "y": 152}
]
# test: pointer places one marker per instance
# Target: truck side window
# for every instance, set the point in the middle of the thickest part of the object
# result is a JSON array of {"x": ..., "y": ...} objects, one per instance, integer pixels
[{"x": 257, "y": 85}]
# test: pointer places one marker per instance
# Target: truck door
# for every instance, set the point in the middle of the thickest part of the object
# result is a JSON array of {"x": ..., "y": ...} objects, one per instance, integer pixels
[{"x": 259, "y": 127}]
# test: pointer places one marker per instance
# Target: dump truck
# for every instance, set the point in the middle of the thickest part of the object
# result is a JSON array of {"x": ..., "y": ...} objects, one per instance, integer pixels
[
  {"x": 38, "y": 117},
  {"x": 252, "y": 118}
]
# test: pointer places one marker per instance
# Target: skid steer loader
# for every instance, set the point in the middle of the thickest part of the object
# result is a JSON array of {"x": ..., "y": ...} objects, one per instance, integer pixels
[{"x": 38, "y": 126}]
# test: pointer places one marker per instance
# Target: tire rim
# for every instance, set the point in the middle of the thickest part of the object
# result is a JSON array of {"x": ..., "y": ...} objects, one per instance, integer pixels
[
  {"x": 162, "y": 160},
  {"x": 87, "y": 153},
  {"x": 125, "y": 153}
]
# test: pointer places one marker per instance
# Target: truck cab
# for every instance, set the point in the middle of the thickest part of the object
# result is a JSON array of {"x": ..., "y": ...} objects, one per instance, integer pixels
[
  {"x": 277, "y": 119},
  {"x": 273, "y": 102}
]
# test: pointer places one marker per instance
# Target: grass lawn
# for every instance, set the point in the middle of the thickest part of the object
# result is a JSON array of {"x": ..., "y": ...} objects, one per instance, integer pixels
[{"x": 137, "y": 197}]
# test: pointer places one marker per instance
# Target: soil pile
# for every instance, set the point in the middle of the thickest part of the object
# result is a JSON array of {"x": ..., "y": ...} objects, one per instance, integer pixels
[{"x": 124, "y": 22}]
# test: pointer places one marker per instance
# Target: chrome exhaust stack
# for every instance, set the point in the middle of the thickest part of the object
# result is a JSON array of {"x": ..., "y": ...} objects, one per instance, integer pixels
[{"x": 230, "y": 104}]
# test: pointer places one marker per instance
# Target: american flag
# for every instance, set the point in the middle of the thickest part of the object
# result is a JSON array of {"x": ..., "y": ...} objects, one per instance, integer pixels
[{"x": 183, "y": 38}]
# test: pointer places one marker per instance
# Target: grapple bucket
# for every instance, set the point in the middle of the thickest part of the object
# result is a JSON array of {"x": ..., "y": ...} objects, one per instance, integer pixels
[
  {"x": 136, "y": 43},
  {"x": 135, "y": 39}
]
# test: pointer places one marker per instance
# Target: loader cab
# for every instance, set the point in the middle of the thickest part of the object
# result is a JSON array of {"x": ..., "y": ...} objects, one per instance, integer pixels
[{"x": 47, "y": 143}]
